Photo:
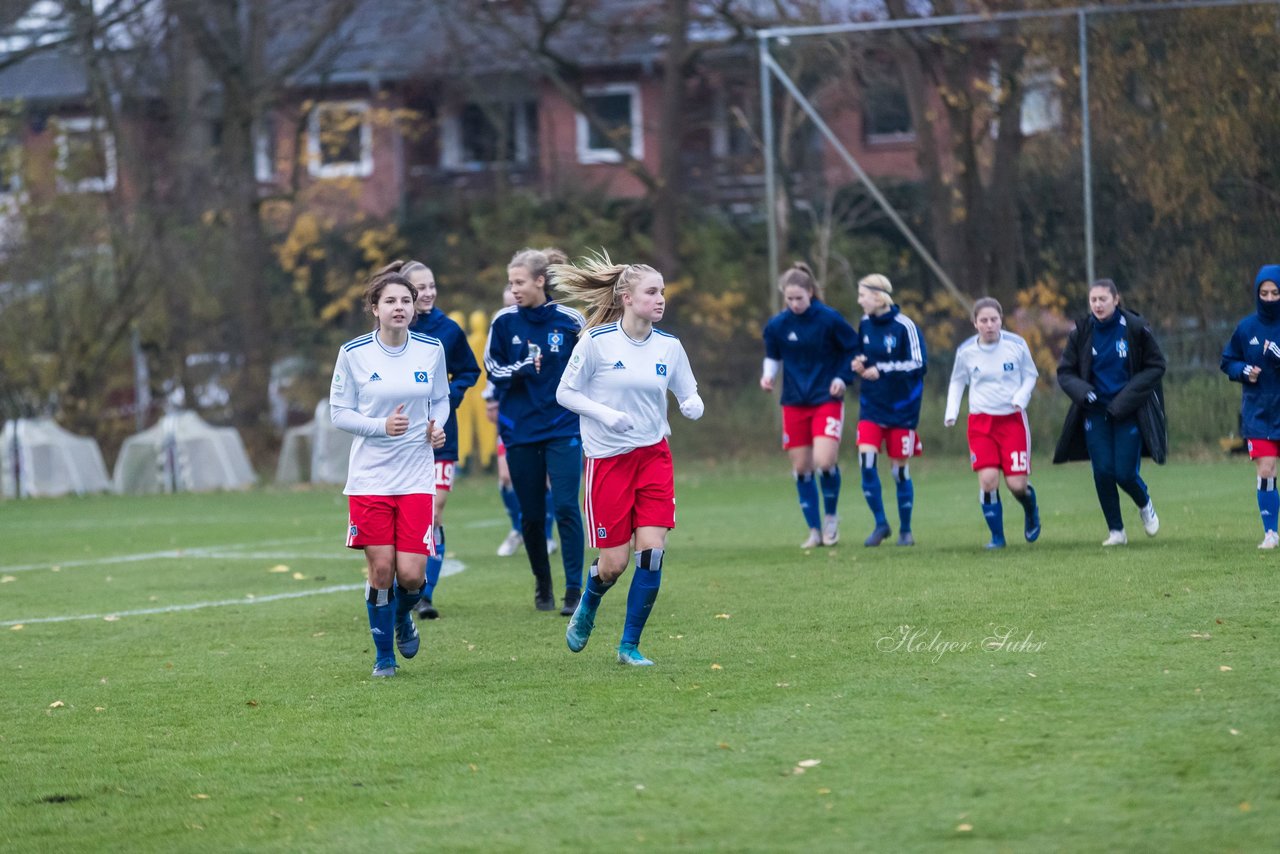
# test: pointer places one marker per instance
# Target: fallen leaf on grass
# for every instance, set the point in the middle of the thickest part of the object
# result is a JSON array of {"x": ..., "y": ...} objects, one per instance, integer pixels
[
  {"x": 99, "y": 708},
  {"x": 6, "y": 579},
  {"x": 17, "y": 627},
  {"x": 1245, "y": 806},
  {"x": 1201, "y": 635},
  {"x": 963, "y": 828},
  {"x": 722, "y": 616},
  {"x": 1234, "y": 731},
  {"x": 809, "y": 763},
  {"x": 111, "y": 618},
  {"x": 1224, "y": 668},
  {"x": 200, "y": 797},
  {"x": 278, "y": 568},
  {"x": 57, "y": 704},
  {"x": 318, "y": 635},
  {"x": 824, "y": 791},
  {"x": 474, "y": 768},
  {"x": 298, "y": 576},
  {"x": 723, "y": 745},
  {"x": 1032, "y": 675},
  {"x": 716, "y": 667},
  {"x": 252, "y": 704}
]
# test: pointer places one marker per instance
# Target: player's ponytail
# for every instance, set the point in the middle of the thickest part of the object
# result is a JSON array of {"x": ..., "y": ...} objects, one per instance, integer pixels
[{"x": 599, "y": 284}]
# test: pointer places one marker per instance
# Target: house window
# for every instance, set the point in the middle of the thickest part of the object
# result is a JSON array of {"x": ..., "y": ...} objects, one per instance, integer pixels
[
  {"x": 481, "y": 135},
  {"x": 86, "y": 156},
  {"x": 886, "y": 114},
  {"x": 1041, "y": 100},
  {"x": 618, "y": 108},
  {"x": 340, "y": 140},
  {"x": 264, "y": 150}
]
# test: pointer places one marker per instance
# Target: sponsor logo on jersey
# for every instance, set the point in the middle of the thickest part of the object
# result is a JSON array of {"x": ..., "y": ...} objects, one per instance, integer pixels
[
  {"x": 791, "y": 336},
  {"x": 420, "y": 377},
  {"x": 1008, "y": 366},
  {"x": 662, "y": 369},
  {"x": 375, "y": 378},
  {"x": 618, "y": 366},
  {"x": 554, "y": 340},
  {"x": 353, "y": 531},
  {"x": 576, "y": 360},
  {"x": 602, "y": 532}
]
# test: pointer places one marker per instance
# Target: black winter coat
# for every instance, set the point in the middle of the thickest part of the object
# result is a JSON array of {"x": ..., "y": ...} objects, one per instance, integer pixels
[{"x": 1141, "y": 398}]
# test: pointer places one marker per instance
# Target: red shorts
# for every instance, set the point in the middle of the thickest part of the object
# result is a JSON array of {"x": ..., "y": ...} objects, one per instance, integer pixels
[
  {"x": 444, "y": 475},
  {"x": 802, "y": 424},
  {"x": 403, "y": 521},
  {"x": 629, "y": 491},
  {"x": 1263, "y": 448},
  {"x": 1000, "y": 442},
  {"x": 899, "y": 442}
]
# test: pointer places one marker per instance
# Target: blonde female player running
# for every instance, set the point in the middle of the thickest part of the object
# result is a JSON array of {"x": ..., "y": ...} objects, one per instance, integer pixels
[
  {"x": 1001, "y": 375},
  {"x": 391, "y": 390},
  {"x": 617, "y": 382}
]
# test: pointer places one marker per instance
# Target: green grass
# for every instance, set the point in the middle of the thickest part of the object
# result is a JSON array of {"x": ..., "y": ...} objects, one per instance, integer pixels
[{"x": 1117, "y": 726}]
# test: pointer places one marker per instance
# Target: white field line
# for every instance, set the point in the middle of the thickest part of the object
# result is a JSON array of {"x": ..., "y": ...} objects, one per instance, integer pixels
[
  {"x": 451, "y": 567},
  {"x": 230, "y": 551}
]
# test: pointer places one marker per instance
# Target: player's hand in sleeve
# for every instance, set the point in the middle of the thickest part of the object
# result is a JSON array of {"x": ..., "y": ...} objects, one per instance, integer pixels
[
  {"x": 766, "y": 383},
  {"x": 691, "y": 407},
  {"x": 618, "y": 422}
]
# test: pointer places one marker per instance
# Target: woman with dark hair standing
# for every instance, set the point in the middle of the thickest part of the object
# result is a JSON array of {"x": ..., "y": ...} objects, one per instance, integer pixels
[
  {"x": 813, "y": 345},
  {"x": 526, "y": 354},
  {"x": 1111, "y": 370},
  {"x": 390, "y": 389},
  {"x": 1252, "y": 358}
]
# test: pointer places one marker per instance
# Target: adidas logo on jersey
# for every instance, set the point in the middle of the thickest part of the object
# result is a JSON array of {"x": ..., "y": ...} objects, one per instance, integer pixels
[
  {"x": 515, "y": 339},
  {"x": 618, "y": 366},
  {"x": 375, "y": 378},
  {"x": 1253, "y": 340},
  {"x": 791, "y": 336}
]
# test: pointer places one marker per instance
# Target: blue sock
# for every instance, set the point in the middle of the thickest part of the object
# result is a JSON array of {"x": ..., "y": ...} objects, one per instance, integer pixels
[
  {"x": 871, "y": 487},
  {"x": 829, "y": 479},
  {"x": 644, "y": 591},
  {"x": 551, "y": 515},
  {"x": 595, "y": 588},
  {"x": 993, "y": 512},
  {"x": 1268, "y": 502},
  {"x": 1028, "y": 499},
  {"x": 807, "y": 489},
  {"x": 434, "y": 564},
  {"x": 509, "y": 501},
  {"x": 405, "y": 600},
  {"x": 381, "y": 605},
  {"x": 906, "y": 496}
]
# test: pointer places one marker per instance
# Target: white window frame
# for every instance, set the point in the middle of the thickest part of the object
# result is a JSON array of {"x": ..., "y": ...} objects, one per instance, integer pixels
[
  {"x": 586, "y": 154},
  {"x": 361, "y": 168},
  {"x": 452, "y": 148},
  {"x": 264, "y": 164},
  {"x": 104, "y": 183}
]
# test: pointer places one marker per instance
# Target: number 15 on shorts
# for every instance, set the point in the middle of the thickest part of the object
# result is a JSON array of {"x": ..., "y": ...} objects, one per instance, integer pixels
[{"x": 1017, "y": 462}]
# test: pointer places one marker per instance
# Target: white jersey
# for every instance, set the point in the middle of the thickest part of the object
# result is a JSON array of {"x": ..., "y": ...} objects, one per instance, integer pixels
[
  {"x": 1000, "y": 376},
  {"x": 632, "y": 377},
  {"x": 369, "y": 382}
]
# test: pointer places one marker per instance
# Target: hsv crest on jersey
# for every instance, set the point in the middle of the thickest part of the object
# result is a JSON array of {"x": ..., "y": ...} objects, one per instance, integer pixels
[
  {"x": 1122, "y": 348},
  {"x": 602, "y": 532},
  {"x": 554, "y": 340},
  {"x": 1008, "y": 366},
  {"x": 420, "y": 377},
  {"x": 662, "y": 369},
  {"x": 890, "y": 342},
  {"x": 353, "y": 531}
]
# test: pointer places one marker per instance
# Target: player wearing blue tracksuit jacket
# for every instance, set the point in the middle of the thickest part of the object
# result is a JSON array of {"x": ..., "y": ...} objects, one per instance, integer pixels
[
  {"x": 463, "y": 373},
  {"x": 813, "y": 345},
  {"x": 1252, "y": 358},
  {"x": 891, "y": 363},
  {"x": 528, "y": 349}
]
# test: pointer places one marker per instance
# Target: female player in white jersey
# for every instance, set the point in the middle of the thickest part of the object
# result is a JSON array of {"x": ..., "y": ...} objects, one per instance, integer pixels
[
  {"x": 617, "y": 382},
  {"x": 1001, "y": 375},
  {"x": 391, "y": 390}
]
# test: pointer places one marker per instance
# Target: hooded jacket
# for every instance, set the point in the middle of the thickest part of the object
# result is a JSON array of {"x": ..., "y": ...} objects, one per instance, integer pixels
[
  {"x": 461, "y": 364},
  {"x": 892, "y": 344},
  {"x": 527, "y": 407},
  {"x": 1256, "y": 341},
  {"x": 1141, "y": 398}
]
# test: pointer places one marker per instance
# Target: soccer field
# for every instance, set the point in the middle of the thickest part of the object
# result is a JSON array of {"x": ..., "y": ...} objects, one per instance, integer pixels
[{"x": 191, "y": 673}]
